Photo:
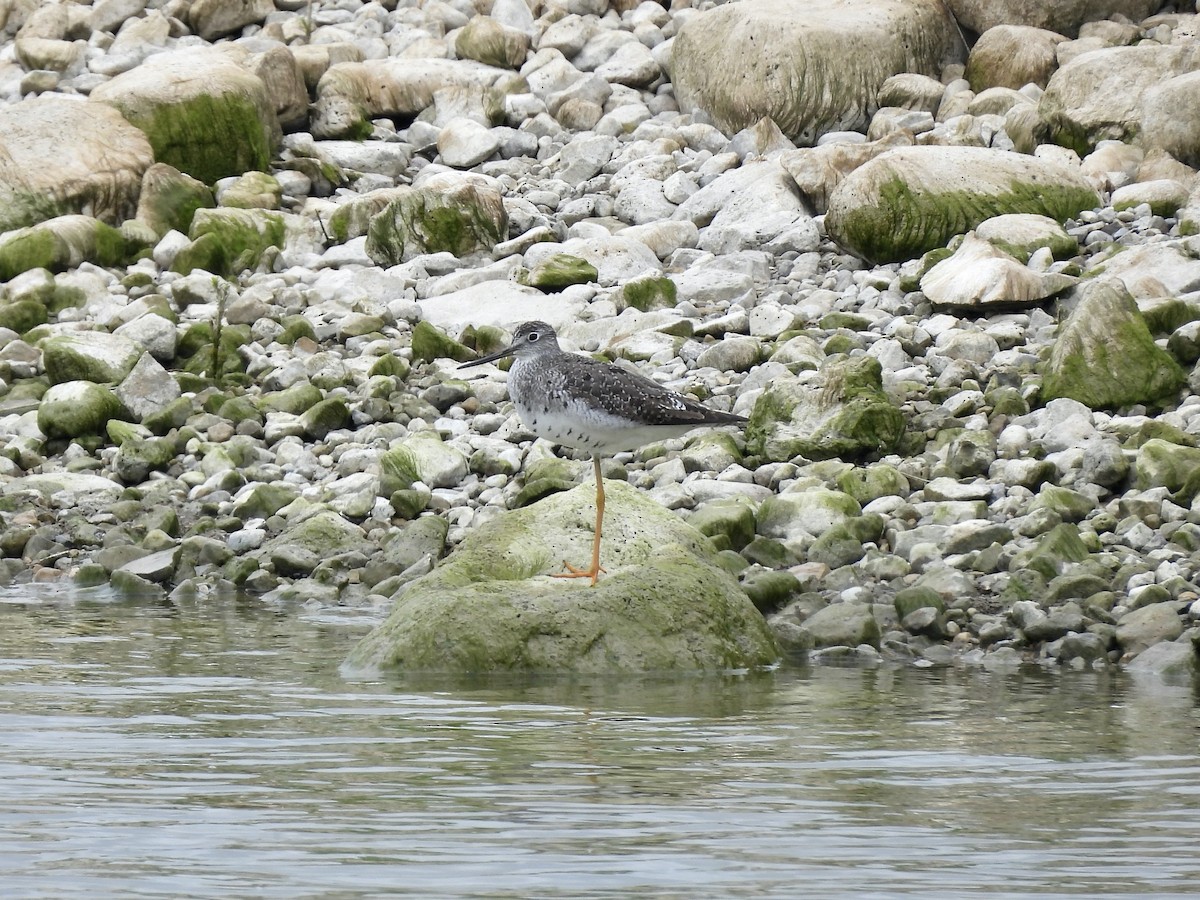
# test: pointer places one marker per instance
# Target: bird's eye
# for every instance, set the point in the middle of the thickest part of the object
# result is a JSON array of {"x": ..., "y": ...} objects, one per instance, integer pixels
[{"x": 533, "y": 336}]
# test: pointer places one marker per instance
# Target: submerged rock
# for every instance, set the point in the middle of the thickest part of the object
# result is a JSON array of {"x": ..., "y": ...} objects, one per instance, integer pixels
[{"x": 663, "y": 604}]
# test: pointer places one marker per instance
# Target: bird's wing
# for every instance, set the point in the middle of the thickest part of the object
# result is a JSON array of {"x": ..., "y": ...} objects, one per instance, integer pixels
[{"x": 623, "y": 393}]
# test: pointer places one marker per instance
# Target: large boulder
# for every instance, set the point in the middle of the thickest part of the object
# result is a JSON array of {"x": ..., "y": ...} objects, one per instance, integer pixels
[
  {"x": 979, "y": 276},
  {"x": 1063, "y": 16},
  {"x": 203, "y": 113},
  {"x": 801, "y": 62},
  {"x": 1105, "y": 356},
  {"x": 914, "y": 199},
  {"x": 662, "y": 604},
  {"x": 62, "y": 156},
  {"x": 1102, "y": 95}
]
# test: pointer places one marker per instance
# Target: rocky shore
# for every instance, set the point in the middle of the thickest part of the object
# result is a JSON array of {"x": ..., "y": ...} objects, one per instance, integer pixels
[{"x": 945, "y": 256}]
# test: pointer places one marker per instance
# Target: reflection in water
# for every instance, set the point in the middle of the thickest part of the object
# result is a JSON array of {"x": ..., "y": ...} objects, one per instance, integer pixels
[{"x": 214, "y": 750}]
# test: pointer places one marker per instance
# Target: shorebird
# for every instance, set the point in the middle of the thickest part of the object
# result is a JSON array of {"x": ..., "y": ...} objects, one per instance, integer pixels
[{"x": 580, "y": 402}]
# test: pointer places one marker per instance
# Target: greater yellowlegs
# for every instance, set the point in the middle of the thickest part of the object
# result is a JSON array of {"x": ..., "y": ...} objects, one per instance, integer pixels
[{"x": 595, "y": 406}]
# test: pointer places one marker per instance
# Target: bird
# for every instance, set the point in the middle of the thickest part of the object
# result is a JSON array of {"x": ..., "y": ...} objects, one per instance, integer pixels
[{"x": 598, "y": 407}]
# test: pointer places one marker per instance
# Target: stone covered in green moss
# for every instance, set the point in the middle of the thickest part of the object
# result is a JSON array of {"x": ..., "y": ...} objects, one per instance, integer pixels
[
  {"x": 23, "y": 315},
  {"x": 560, "y": 270},
  {"x": 649, "y": 292},
  {"x": 492, "y": 43},
  {"x": 446, "y": 215},
  {"x": 663, "y": 604},
  {"x": 77, "y": 408},
  {"x": 89, "y": 356},
  {"x": 849, "y": 417},
  {"x": 429, "y": 343},
  {"x": 914, "y": 199},
  {"x": 1105, "y": 356},
  {"x": 1163, "y": 464},
  {"x": 60, "y": 244},
  {"x": 229, "y": 241},
  {"x": 422, "y": 457},
  {"x": 253, "y": 190},
  {"x": 203, "y": 113},
  {"x": 169, "y": 199}
]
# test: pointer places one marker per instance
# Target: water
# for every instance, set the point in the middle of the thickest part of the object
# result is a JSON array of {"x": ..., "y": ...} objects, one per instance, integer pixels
[{"x": 214, "y": 751}]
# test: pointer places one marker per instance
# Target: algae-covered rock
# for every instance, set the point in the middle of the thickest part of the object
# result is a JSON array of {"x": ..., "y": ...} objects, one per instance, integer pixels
[
  {"x": 913, "y": 199},
  {"x": 169, "y": 199},
  {"x": 1104, "y": 355},
  {"x": 846, "y": 415},
  {"x": 229, "y": 241},
  {"x": 739, "y": 62},
  {"x": 843, "y": 625},
  {"x": 422, "y": 457},
  {"x": 89, "y": 356},
  {"x": 77, "y": 408},
  {"x": 203, "y": 113},
  {"x": 663, "y": 604},
  {"x": 252, "y": 190},
  {"x": 1160, "y": 463},
  {"x": 649, "y": 292},
  {"x": 60, "y": 244},
  {"x": 429, "y": 343},
  {"x": 444, "y": 215},
  {"x": 559, "y": 271}
]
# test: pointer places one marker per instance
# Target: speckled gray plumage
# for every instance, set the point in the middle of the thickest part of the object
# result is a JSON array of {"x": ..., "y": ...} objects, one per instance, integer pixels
[{"x": 591, "y": 405}]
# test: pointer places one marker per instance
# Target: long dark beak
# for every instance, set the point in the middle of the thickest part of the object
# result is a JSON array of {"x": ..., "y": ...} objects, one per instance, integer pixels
[{"x": 507, "y": 351}]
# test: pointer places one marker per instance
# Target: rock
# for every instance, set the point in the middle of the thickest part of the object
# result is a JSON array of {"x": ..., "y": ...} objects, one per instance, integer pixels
[
  {"x": 464, "y": 143},
  {"x": 421, "y": 457},
  {"x": 556, "y": 272},
  {"x": 499, "y": 303},
  {"x": 818, "y": 170},
  {"x": 847, "y": 416},
  {"x": 1175, "y": 662},
  {"x": 1104, "y": 355},
  {"x": 73, "y": 409},
  {"x": 1102, "y": 95},
  {"x": 979, "y": 276},
  {"x": 59, "y": 244},
  {"x": 741, "y": 62},
  {"x": 873, "y": 215},
  {"x": 843, "y": 625},
  {"x": 350, "y": 94},
  {"x": 62, "y": 156},
  {"x": 490, "y": 42},
  {"x": 229, "y": 241},
  {"x": 799, "y": 516},
  {"x": 138, "y": 457},
  {"x": 202, "y": 112},
  {"x": 1022, "y": 234},
  {"x": 1013, "y": 56},
  {"x": 1160, "y": 463},
  {"x": 1165, "y": 196},
  {"x": 253, "y": 190},
  {"x": 616, "y": 259},
  {"x": 169, "y": 199},
  {"x": 89, "y": 356},
  {"x": 444, "y": 215},
  {"x": 1147, "y": 626},
  {"x": 663, "y": 605},
  {"x": 212, "y": 19},
  {"x": 75, "y": 488},
  {"x": 147, "y": 389},
  {"x": 1063, "y": 17}
]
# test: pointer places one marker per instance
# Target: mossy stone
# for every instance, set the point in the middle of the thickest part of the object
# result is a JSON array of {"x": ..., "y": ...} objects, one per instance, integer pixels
[
  {"x": 23, "y": 315},
  {"x": 560, "y": 270},
  {"x": 429, "y": 343},
  {"x": 731, "y": 519},
  {"x": 649, "y": 292},
  {"x": 229, "y": 241},
  {"x": 75, "y": 409},
  {"x": 461, "y": 219},
  {"x": 294, "y": 399},
  {"x": 321, "y": 418}
]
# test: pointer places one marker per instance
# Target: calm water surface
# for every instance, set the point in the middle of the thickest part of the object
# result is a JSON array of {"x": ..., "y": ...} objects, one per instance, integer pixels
[{"x": 214, "y": 751}]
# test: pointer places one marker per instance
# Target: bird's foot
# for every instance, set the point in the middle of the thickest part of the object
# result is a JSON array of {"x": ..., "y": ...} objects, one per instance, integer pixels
[{"x": 573, "y": 572}]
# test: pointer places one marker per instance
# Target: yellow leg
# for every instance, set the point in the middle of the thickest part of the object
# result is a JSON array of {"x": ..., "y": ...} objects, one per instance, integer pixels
[{"x": 594, "y": 572}]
